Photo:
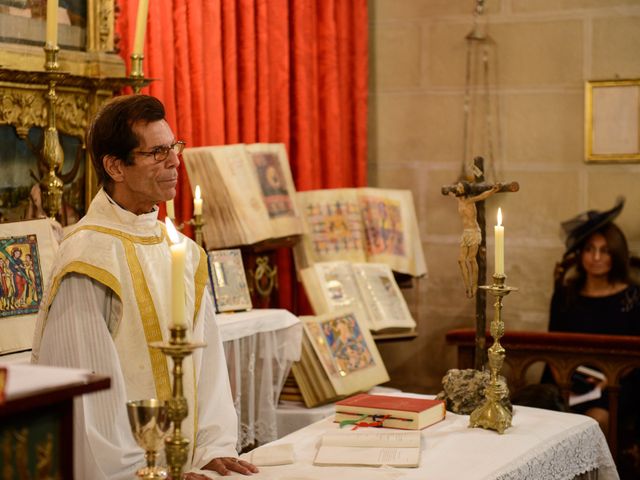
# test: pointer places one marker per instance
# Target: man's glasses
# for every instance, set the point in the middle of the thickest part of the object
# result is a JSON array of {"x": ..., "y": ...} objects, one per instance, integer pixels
[{"x": 161, "y": 153}]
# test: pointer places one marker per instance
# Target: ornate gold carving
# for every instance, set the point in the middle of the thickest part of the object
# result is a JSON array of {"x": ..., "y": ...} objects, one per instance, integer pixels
[
  {"x": 23, "y": 109},
  {"x": 265, "y": 277},
  {"x": 73, "y": 114},
  {"x": 16, "y": 455},
  {"x": 105, "y": 25},
  {"x": 44, "y": 458},
  {"x": 7, "y": 456}
]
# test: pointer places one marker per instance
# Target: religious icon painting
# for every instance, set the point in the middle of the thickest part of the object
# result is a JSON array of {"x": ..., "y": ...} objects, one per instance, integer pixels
[
  {"x": 333, "y": 226},
  {"x": 228, "y": 281},
  {"x": 273, "y": 184},
  {"x": 384, "y": 230},
  {"x": 273, "y": 172},
  {"x": 360, "y": 225},
  {"x": 346, "y": 344},
  {"x": 20, "y": 276},
  {"x": 346, "y": 351},
  {"x": 315, "y": 331},
  {"x": 27, "y": 250}
]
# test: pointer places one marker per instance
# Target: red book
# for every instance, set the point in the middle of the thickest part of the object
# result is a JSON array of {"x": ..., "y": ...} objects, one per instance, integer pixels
[{"x": 394, "y": 412}]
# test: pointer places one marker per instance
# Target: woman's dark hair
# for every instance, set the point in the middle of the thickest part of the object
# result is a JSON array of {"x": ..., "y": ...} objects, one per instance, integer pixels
[
  {"x": 111, "y": 132},
  {"x": 618, "y": 250}
]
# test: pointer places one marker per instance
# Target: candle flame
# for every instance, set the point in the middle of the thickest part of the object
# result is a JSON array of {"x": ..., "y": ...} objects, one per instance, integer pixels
[
  {"x": 499, "y": 216},
  {"x": 171, "y": 230},
  {"x": 197, "y": 192}
]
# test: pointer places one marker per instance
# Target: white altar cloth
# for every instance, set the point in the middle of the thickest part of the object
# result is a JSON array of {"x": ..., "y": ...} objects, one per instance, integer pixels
[
  {"x": 242, "y": 324},
  {"x": 260, "y": 346},
  {"x": 540, "y": 445}
]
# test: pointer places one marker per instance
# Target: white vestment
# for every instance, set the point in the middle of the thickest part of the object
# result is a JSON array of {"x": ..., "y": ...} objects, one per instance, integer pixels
[{"x": 110, "y": 294}]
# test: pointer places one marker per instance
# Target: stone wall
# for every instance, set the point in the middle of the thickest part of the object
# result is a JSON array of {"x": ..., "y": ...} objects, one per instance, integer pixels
[{"x": 545, "y": 51}]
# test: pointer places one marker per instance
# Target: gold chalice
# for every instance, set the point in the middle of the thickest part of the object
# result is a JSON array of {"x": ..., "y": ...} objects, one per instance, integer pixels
[{"x": 150, "y": 423}]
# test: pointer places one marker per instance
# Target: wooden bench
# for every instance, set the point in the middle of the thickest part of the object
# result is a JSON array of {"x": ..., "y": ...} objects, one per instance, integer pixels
[{"x": 614, "y": 355}]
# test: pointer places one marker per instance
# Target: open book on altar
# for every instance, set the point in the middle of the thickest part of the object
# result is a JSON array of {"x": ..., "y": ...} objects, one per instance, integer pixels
[
  {"x": 369, "y": 288},
  {"x": 369, "y": 447},
  {"x": 338, "y": 358},
  {"x": 360, "y": 225},
  {"x": 248, "y": 193}
]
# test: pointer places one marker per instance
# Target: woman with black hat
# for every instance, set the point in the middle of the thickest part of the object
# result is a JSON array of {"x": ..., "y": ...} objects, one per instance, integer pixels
[{"x": 598, "y": 296}]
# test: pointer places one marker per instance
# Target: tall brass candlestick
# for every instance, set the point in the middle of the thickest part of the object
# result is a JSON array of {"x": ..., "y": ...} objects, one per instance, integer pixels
[
  {"x": 50, "y": 184},
  {"x": 197, "y": 223},
  {"x": 176, "y": 446},
  {"x": 492, "y": 414}
]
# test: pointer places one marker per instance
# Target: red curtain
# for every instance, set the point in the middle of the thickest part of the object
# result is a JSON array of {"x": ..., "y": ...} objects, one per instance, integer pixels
[{"x": 290, "y": 71}]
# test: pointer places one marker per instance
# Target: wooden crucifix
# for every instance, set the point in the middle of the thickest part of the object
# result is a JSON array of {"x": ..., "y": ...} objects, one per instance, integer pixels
[{"x": 473, "y": 246}]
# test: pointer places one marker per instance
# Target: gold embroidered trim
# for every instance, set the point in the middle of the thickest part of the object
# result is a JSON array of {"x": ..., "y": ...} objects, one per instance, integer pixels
[
  {"x": 99, "y": 274},
  {"x": 200, "y": 281},
  {"x": 91, "y": 271},
  {"x": 150, "y": 322},
  {"x": 195, "y": 410},
  {"x": 154, "y": 240}
]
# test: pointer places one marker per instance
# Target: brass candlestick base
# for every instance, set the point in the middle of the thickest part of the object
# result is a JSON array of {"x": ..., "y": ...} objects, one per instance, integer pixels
[
  {"x": 176, "y": 446},
  {"x": 492, "y": 414},
  {"x": 197, "y": 223}
]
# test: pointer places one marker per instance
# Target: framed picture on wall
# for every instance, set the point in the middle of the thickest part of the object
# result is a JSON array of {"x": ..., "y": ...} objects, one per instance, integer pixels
[{"x": 612, "y": 121}]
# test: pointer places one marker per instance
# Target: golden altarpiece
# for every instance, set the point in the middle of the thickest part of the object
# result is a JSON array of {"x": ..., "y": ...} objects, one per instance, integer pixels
[{"x": 80, "y": 76}]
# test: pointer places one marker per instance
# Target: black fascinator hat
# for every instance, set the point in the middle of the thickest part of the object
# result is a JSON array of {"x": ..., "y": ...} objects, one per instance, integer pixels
[{"x": 582, "y": 226}]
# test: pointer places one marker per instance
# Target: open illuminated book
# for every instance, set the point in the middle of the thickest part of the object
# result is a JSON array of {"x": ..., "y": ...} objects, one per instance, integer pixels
[
  {"x": 338, "y": 358},
  {"x": 360, "y": 225},
  {"x": 370, "y": 447},
  {"x": 27, "y": 251},
  {"x": 248, "y": 193},
  {"x": 369, "y": 288}
]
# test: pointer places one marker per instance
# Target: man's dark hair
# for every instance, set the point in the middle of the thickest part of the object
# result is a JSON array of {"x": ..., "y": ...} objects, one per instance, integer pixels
[{"x": 111, "y": 132}]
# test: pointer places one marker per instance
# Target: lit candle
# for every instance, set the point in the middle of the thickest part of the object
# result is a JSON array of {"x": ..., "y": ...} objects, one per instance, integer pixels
[
  {"x": 141, "y": 27},
  {"x": 178, "y": 256},
  {"x": 171, "y": 213},
  {"x": 197, "y": 202},
  {"x": 499, "y": 239},
  {"x": 52, "y": 22}
]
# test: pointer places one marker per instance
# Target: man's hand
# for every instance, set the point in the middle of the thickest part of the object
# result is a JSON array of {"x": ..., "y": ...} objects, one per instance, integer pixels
[{"x": 224, "y": 466}]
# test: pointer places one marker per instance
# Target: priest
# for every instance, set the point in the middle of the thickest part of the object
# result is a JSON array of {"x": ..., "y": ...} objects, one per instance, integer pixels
[{"x": 110, "y": 296}]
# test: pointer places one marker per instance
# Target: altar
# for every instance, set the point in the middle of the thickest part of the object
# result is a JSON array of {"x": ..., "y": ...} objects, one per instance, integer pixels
[
  {"x": 259, "y": 345},
  {"x": 541, "y": 445}
]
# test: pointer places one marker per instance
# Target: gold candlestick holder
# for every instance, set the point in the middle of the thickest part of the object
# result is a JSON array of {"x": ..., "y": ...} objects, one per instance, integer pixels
[
  {"x": 492, "y": 414},
  {"x": 176, "y": 446},
  {"x": 197, "y": 223},
  {"x": 50, "y": 184},
  {"x": 137, "y": 75}
]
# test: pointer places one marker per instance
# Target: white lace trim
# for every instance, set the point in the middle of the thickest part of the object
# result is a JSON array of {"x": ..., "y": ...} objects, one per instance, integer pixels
[{"x": 543, "y": 463}]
